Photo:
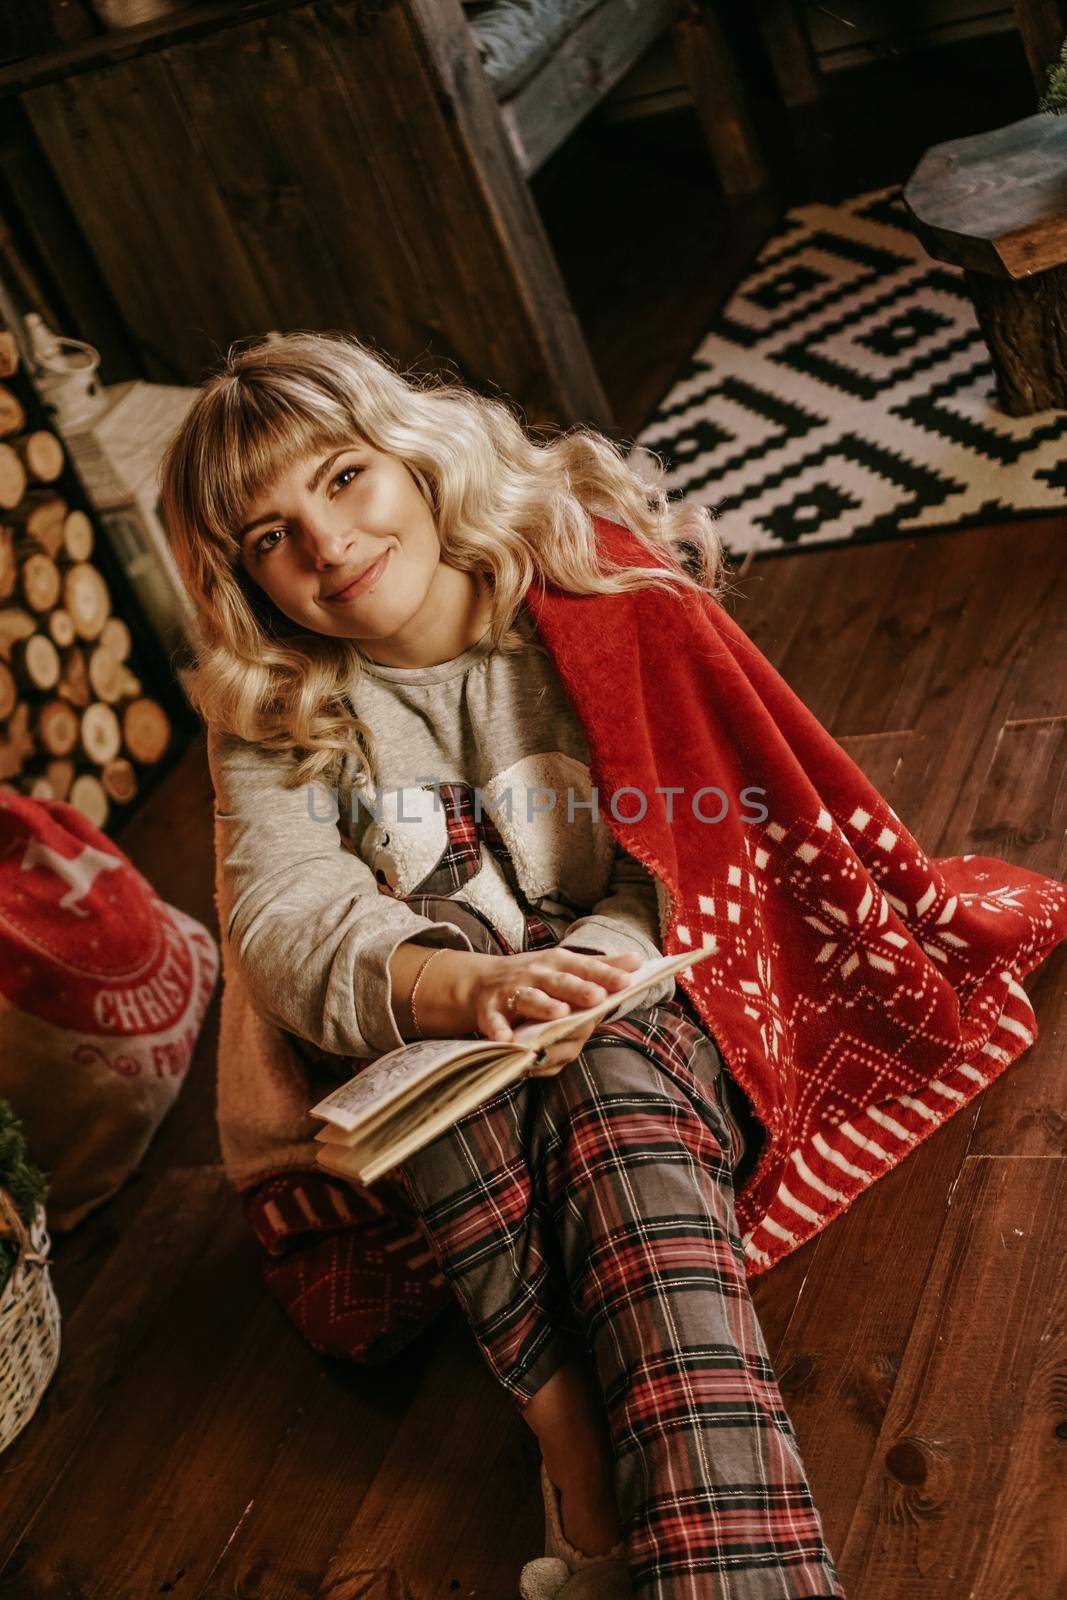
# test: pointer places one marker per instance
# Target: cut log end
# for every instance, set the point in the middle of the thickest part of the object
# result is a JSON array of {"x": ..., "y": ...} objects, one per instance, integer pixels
[
  {"x": 145, "y": 730},
  {"x": 100, "y": 733},
  {"x": 78, "y": 536},
  {"x": 12, "y": 478},
  {"x": 41, "y": 455},
  {"x": 12, "y": 413},
  {"x": 88, "y": 795},
  {"x": 119, "y": 780},
  {"x": 9, "y": 354},
  {"x": 40, "y": 582},
  {"x": 36, "y": 662},
  {"x": 86, "y": 597},
  {"x": 60, "y": 774},
  {"x": 56, "y": 727}
]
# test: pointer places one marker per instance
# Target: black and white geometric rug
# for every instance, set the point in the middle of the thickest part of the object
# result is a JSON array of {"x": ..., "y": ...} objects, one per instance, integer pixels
[{"x": 846, "y": 394}]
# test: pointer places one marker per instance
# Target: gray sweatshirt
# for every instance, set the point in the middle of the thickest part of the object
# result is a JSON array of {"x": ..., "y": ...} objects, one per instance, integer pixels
[{"x": 484, "y": 733}]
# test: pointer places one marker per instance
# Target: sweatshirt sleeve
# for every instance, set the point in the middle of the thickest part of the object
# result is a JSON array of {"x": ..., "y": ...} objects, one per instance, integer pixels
[
  {"x": 627, "y": 919},
  {"x": 301, "y": 911}
]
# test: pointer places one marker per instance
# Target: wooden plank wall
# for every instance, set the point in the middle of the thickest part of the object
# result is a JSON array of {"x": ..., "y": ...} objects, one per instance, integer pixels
[{"x": 324, "y": 166}]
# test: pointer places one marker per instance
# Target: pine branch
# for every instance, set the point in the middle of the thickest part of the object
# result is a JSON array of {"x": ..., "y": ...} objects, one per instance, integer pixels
[
  {"x": 1055, "y": 97},
  {"x": 26, "y": 1183}
]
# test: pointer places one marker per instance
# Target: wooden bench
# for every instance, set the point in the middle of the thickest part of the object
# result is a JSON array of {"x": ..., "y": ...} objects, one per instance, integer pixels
[{"x": 995, "y": 204}]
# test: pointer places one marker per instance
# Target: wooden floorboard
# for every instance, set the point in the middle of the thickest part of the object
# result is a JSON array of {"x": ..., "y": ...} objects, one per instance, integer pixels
[
  {"x": 976, "y": 1415},
  {"x": 974, "y": 619}
]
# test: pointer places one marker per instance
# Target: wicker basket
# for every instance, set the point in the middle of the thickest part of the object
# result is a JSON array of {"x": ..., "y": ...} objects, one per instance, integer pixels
[{"x": 29, "y": 1321}]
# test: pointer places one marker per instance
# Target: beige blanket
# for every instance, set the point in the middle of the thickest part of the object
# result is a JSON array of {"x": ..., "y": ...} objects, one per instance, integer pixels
[{"x": 265, "y": 1081}]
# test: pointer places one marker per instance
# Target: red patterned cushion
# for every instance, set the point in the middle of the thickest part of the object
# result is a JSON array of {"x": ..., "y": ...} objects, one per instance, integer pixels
[{"x": 350, "y": 1267}]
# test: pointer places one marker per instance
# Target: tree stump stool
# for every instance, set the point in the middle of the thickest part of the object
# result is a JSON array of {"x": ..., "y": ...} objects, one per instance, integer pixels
[{"x": 995, "y": 204}]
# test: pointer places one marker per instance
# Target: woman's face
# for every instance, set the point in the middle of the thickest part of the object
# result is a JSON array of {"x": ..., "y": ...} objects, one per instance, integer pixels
[{"x": 351, "y": 520}]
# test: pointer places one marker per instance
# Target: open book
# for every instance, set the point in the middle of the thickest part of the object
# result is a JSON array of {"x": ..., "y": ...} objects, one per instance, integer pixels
[{"x": 403, "y": 1100}]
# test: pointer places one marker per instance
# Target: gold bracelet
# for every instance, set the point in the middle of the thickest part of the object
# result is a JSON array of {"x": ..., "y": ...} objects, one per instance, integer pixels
[{"x": 418, "y": 979}]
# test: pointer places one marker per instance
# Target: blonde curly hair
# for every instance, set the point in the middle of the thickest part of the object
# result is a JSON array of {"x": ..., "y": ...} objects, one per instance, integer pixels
[{"x": 503, "y": 502}]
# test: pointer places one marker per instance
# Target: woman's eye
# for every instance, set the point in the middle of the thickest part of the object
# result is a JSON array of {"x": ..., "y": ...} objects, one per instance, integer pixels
[
  {"x": 342, "y": 480},
  {"x": 262, "y": 547}
]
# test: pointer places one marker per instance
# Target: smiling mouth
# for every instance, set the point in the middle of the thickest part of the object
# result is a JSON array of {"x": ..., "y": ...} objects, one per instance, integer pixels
[{"x": 365, "y": 580}]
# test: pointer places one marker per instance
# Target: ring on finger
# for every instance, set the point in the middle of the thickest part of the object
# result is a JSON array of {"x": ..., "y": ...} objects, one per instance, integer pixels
[{"x": 512, "y": 998}]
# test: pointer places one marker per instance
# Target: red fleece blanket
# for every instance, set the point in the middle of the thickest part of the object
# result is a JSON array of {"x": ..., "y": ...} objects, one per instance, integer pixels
[{"x": 860, "y": 991}]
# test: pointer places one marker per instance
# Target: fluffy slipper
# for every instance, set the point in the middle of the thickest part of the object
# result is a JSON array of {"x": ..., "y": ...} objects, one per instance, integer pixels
[
  {"x": 549, "y": 1578},
  {"x": 543, "y": 1579}
]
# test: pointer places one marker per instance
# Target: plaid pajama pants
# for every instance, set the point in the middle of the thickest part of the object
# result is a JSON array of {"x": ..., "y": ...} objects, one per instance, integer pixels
[{"x": 598, "y": 1205}]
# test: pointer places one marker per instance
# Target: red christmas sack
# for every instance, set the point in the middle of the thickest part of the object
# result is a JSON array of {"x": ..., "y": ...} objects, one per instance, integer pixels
[{"x": 103, "y": 990}]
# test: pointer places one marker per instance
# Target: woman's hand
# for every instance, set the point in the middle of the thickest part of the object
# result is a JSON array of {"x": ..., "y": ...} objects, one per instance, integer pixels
[{"x": 549, "y": 983}]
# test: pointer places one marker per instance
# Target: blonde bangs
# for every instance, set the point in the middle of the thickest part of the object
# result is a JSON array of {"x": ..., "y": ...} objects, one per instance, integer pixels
[{"x": 243, "y": 435}]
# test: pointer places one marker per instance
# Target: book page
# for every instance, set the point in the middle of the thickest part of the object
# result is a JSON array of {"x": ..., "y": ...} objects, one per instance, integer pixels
[
  {"x": 399, "y": 1076},
  {"x": 373, "y": 1149}
]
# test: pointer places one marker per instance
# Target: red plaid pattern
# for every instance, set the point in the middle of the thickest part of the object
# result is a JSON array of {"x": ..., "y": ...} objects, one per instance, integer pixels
[
  {"x": 599, "y": 1203},
  {"x": 462, "y": 859}
]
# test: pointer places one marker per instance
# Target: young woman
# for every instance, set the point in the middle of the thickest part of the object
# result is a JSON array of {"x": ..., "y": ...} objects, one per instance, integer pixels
[{"x": 359, "y": 545}]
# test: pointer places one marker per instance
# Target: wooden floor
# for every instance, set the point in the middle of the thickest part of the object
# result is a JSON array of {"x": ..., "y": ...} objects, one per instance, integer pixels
[{"x": 192, "y": 1446}]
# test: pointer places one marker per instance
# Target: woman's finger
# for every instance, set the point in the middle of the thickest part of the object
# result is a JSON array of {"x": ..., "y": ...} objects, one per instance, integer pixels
[
  {"x": 503, "y": 1013},
  {"x": 610, "y": 972},
  {"x": 579, "y": 990},
  {"x": 495, "y": 1024},
  {"x": 530, "y": 999}
]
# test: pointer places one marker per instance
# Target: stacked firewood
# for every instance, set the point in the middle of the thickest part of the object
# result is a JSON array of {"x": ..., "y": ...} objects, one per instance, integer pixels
[{"x": 75, "y": 721}]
